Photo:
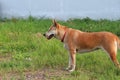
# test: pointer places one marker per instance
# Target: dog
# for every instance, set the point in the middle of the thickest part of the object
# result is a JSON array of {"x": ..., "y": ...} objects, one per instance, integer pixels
[{"x": 79, "y": 41}]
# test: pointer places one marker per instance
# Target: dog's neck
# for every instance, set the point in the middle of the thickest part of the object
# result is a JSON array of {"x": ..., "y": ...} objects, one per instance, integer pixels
[
  {"x": 61, "y": 33},
  {"x": 63, "y": 37}
]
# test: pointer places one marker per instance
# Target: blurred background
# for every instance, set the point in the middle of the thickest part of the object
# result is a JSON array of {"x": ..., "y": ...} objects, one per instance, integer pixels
[{"x": 61, "y": 9}]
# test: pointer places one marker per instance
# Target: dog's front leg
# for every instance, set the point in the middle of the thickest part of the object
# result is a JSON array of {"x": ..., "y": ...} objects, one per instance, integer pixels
[
  {"x": 72, "y": 62},
  {"x": 69, "y": 63}
]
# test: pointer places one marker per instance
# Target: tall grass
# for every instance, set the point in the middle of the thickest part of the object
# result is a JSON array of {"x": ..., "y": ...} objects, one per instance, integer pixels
[{"x": 22, "y": 48}]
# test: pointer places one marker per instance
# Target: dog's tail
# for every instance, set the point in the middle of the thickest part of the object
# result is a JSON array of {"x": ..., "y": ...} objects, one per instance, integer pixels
[{"x": 118, "y": 43}]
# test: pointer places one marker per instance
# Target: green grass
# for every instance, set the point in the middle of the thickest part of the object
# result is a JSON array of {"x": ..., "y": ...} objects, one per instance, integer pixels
[{"x": 22, "y": 49}]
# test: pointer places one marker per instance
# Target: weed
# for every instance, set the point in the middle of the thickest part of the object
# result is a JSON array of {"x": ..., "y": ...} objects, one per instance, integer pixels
[{"x": 22, "y": 41}]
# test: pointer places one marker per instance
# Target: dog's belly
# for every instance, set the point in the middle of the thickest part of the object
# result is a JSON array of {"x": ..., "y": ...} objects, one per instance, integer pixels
[{"x": 87, "y": 50}]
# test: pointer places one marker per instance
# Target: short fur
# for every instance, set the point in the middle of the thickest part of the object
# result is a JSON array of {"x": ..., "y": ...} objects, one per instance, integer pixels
[{"x": 78, "y": 41}]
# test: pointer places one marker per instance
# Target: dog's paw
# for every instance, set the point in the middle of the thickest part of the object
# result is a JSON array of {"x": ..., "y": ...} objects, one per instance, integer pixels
[
  {"x": 71, "y": 70},
  {"x": 68, "y": 68}
]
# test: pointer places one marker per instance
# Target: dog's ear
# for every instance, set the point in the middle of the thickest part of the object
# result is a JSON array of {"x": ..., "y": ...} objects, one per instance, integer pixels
[{"x": 54, "y": 23}]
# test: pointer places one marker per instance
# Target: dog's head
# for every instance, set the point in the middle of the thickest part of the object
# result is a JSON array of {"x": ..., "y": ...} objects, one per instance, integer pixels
[{"x": 52, "y": 30}]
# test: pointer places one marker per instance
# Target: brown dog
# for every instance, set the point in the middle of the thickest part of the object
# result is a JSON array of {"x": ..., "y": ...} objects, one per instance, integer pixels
[{"x": 78, "y": 41}]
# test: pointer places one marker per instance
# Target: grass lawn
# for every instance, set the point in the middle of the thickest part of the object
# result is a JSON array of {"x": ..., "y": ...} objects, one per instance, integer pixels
[{"x": 26, "y": 55}]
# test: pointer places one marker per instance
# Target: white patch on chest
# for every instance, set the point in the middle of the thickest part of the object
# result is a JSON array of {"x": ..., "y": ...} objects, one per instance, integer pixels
[{"x": 66, "y": 46}]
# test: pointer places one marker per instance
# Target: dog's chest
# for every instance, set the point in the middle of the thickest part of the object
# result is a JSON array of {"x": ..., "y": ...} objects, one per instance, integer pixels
[{"x": 66, "y": 46}]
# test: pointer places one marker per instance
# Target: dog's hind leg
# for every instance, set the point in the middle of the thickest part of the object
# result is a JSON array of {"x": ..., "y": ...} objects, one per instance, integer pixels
[
  {"x": 114, "y": 59},
  {"x": 112, "y": 51}
]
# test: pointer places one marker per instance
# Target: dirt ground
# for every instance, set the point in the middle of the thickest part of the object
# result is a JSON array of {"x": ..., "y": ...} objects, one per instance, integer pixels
[{"x": 45, "y": 74}]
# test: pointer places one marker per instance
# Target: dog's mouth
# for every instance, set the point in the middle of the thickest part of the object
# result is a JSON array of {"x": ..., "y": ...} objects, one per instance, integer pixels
[{"x": 49, "y": 37}]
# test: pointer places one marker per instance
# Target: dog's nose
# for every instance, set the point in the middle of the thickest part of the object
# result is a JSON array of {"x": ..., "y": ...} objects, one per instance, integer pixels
[{"x": 43, "y": 34}]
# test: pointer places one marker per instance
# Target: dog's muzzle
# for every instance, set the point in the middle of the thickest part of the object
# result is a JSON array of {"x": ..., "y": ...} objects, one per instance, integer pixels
[{"x": 48, "y": 37}]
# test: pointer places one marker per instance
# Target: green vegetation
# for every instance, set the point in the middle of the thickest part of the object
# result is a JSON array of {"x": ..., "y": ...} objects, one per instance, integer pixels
[{"x": 24, "y": 49}]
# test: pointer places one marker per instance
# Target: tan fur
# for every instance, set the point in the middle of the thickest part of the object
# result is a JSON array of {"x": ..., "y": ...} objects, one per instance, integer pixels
[{"x": 78, "y": 41}]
